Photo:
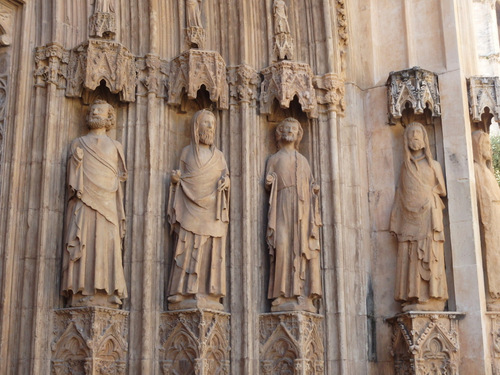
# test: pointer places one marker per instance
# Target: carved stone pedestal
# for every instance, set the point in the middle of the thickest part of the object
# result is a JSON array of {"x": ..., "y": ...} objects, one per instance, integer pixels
[
  {"x": 291, "y": 343},
  {"x": 90, "y": 340},
  {"x": 102, "y": 25},
  {"x": 425, "y": 343},
  {"x": 194, "y": 342}
]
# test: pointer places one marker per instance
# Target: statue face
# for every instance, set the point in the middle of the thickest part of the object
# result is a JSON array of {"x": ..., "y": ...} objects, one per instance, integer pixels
[
  {"x": 98, "y": 117},
  {"x": 416, "y": 139},
  {"x": 289, "y": 131},
  {"x": 206, "y": 129}
]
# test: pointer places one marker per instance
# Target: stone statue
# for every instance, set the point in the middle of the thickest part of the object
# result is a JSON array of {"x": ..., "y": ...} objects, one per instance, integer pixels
[
  {"x": 417, "y": 222},
  {"x": 198, "y": 212},
  {"x": 104, "y": 6},
  {"x": 280, "y": 17},
  {"x": 95, "y": 218},
  {"x": 293, "y": 224},
  {"x": 193, "y": 13},
  {"x": 488, "y": 202}
]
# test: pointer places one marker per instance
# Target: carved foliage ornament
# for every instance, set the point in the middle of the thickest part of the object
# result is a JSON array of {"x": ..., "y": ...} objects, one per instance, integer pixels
[
  {"x": 193, "y": 69},
  {"x": 243, "y": 81},
  {"x": 98, "y": 60},
  {"x": 425, "y": 343},
  {"x": 152, "y": 76},
  {"x": 416, "y": 87},
  {"x": 90, "y": 340},
  {"x": 291, "y": 343},
  {"x": 283, "y": 81},
  {"x": 194, "y": 342},
  {"x": 330, "y": 89},
  {"x": 484, "y": 92},
  {"x": 51, "y": 65}
]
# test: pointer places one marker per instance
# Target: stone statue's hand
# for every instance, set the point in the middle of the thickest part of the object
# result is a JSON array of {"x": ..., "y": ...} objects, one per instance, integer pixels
[
  {"x": 270, "y": 178},
  {"x": 175, "y": 176},
  {"x": 224, "y": 183},
  {"x": 78, "y": 154}
]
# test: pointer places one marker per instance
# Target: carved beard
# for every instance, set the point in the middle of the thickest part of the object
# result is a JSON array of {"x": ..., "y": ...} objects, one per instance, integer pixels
[
  {"x": 206, "y": 137},
  {"x": 97, "y": 123},
  {"x": 289, "y": 137},
  {"x": 416, "y": 144}
]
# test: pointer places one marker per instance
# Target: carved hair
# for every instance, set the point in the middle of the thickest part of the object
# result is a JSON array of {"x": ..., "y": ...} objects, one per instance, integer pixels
[
  {"x": 279, "y": 132},
  {"x": 477, "y": 143},
  {"x": 407, "y": 150},
  {"x": 111, "y": 113}
]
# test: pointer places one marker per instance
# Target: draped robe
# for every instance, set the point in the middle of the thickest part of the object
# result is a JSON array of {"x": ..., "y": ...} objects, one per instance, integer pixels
[{"x": 95, "y": 219}]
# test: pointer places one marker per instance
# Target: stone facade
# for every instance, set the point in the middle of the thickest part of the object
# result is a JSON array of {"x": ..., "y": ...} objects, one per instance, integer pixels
[{"x": 353, "y": 73}]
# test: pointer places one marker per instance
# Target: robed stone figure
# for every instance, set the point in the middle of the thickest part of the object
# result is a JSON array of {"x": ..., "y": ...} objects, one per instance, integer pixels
[
  {"x": 95, "y": 219},
  {"x": 293, "y": 225},
  {"x": 417, "y": 222},
  {"x": 488, "y": 202},
  {"x": 198, "y": 212}
]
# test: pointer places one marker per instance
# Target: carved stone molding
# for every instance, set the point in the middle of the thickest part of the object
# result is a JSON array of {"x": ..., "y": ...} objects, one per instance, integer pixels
[
  {"x": 494, "y": 322},
  {"x": 484, "y": 92},
  {"x": 4, "y": 84},
  {"x": 243, "y": 82},
  {"x": 193, "y": 69},
  {"x": 416, "y": 87},
  {"x": 330, "y": 89},
  {"x": 97, "y": 60},
  {"x": 102, "y": 25},
  {"x": 6, "y": 24},
  {"x": 426, "y": 343},
  {"x": 90, "y": 340},
  {"x": 152, "y": 74},
  {"x": 291, "y": 343},
  {"x": 194, "y": 342},
  {"x": 51, "y": 65},
  {"x": 283, "y": 81}
]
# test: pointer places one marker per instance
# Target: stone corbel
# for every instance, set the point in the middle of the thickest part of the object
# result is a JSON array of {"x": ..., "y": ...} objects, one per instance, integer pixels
[
  {"x": 243, "y": 82},
  {"x": 330, "y": 90},
  {"x": 51, "y": 62},
  {"x": 196, "y": 68},
  {"x": 98, "y": 60},
  {"x": 484, "y": 92},
  {"x": 416, "y": 87},
  {"x": 283, "y": 81},
  {"x": 152, "y": 76}
]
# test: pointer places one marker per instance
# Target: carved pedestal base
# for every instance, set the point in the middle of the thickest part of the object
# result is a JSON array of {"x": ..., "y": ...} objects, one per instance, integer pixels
[
  {"x": 291, "y": 343},
  {"x": 195, "y": 37},
  {"x": 90, "y": 340},
  {"x": 103, "y": 25},
  {"x": 425, "y": 343},
  {"x": 494, "y": 321},
  {"x": 194, "y": 342}
]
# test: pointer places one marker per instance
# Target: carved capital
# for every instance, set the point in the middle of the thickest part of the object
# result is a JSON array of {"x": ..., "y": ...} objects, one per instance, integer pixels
[
  {"x": 194, "y": 341},
  {"x": 193, "y": 69},
  {"x": 243, "y": 82},
  {"x": 291, "y": 343},
  {"x": 415, "y": 87},
  {"x": 89, "y": 340},
  {"x": 51, "y": 65},
  {"x": 330, "y": 89},
  {"x": 484, "y": 92},
  {"x": 152, "y": 75},
  {"x": 425, "y": 343},
  {"x": 283, "y": 81},
  {"x": 98, "y": 60},
  {"x": 102, "y": 25}
]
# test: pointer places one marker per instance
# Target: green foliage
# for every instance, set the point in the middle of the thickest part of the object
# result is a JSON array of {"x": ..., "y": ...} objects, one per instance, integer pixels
[{"x": 495, "y": 148}]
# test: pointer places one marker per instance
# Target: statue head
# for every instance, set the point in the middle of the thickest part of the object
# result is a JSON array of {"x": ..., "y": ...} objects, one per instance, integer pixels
[
  {"x": 416, "y": 139},
  {"x": 101, "y": 115},
  {"x": 203, "y": 128},
  {"x": 481, "y": 148},
  {"x": 289, "y": 130}
]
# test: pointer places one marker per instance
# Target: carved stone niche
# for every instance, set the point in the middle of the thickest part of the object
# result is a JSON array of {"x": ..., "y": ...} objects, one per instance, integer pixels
[
  {"x": 415, "y": 89},
  {"x": 99, "y": 60},
  {"x": 291, "y": 343},
  {"x": 330, "y": 90},
  {"x": 194, "y": 342},
  {"x": 426, "y": 343},
  {"x": 196, "y": 68},
  {"x": 484, "y": 100},
  {"x": 90, "y": 340},
  {"x": 283, "y": 81}
]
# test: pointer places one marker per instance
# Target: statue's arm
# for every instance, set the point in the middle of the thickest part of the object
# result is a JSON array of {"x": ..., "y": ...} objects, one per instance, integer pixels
[
  {"x": 440, "y": 187},
  {"x": 75, "y": 171}
]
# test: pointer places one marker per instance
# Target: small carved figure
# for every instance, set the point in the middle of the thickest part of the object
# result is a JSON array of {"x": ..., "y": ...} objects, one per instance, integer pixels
[
  {"x": 104, "y": 6},
  {"x": 95, "y": 218},
  {"x": 488, "y": 202},
  {"x": 280, "y": 17},
  {"x": 293, "y": 224},
  {"x": 193, "y": 13},
  {"x": 198, "y": 212},
  {"x": 417, "y": 222}
]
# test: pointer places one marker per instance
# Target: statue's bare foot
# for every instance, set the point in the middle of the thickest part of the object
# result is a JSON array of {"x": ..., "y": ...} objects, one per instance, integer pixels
[{"x": 115, "y": 300}]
